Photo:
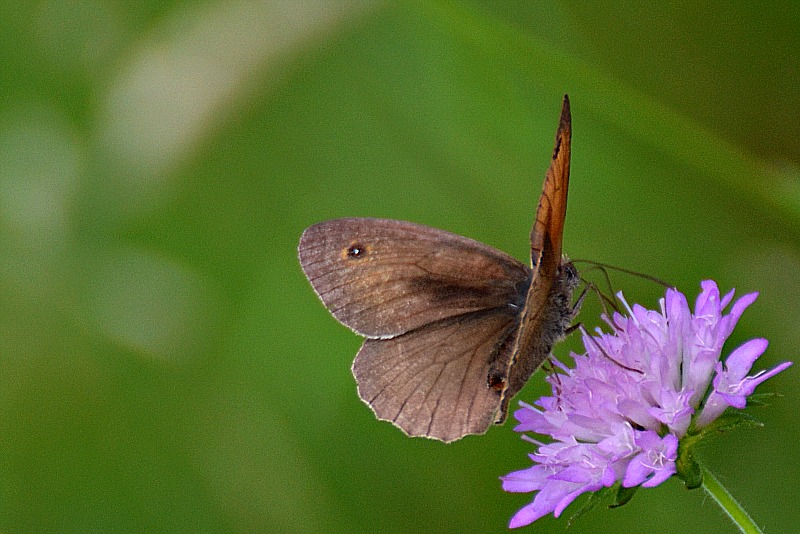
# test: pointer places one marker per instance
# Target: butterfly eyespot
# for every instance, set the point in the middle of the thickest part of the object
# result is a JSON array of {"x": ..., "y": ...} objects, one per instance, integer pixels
[
  {"x": 356, "y": 250},
  {"x": 495, "y": 382}
]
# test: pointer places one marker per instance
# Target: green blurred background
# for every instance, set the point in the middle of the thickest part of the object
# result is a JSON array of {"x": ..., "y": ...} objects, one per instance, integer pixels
[{"x": 165, "y": 366}]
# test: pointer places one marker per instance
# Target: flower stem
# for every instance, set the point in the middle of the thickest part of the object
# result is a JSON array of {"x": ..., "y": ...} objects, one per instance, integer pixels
[{"x": 730, "y": 505}]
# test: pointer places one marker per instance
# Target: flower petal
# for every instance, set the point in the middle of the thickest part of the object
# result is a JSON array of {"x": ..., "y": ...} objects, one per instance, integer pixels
[{"x": 738, "y": 364}]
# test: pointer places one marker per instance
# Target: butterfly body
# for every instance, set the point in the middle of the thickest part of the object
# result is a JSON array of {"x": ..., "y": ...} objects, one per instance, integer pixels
[
  {"x": 535, "y": 344},
  {"x": 454, "y": 327}
]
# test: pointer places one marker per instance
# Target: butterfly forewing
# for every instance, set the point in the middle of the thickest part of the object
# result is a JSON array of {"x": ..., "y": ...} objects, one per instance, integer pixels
[
  {"x": 383, "y": 277},
  {"x": 548, "y": 228},
  {"x": 548, "y": 311}
]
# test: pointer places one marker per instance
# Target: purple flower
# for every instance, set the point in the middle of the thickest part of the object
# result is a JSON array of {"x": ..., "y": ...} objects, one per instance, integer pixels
[{"x": 619, "y": 414}]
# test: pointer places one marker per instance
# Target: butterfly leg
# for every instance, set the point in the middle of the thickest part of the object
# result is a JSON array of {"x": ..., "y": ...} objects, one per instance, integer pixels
[
  {"x": 572, "y": 328},
  {"x": 576, "y": 308},
  {"x": 610, "y": 358}
]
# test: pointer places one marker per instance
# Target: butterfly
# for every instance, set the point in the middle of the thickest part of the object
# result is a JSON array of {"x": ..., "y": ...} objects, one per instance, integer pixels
[{"x": 454, "y": 328}]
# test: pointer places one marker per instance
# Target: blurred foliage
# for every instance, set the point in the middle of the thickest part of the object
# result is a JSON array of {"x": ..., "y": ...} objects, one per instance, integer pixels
[{"x": 164, "y": 365}]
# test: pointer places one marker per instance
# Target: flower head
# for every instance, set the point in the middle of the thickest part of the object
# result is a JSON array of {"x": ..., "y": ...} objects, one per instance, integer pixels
[{"x": 619, "y": 414}]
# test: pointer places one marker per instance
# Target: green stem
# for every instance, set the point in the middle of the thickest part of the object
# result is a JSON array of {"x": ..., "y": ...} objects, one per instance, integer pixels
[{"x": 726, "y": 501}]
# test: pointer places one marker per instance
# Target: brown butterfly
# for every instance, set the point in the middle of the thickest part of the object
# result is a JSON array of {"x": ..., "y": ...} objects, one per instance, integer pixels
[{"x": 454, "y": 327}]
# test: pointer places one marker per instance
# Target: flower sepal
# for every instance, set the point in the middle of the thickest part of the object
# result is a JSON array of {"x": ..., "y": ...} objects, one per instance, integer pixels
[
  {"x": 624, "y": 495},
  {"x": 596, "y": 498},
  {"x": 761, "y": 400},
  {"x": 611, "y": 497},
  {"x": 728, "y": 421},
  {"x": 686, "y": 465}
]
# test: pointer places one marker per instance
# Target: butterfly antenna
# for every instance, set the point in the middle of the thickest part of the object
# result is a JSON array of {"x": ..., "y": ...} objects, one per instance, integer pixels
[
  {"x": 604, "y": 266},
  {"x": 608, "y": 280}
]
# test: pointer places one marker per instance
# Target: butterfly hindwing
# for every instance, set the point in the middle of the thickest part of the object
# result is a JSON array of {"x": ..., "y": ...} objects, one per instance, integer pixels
[{"x": 433, "y": 381}]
